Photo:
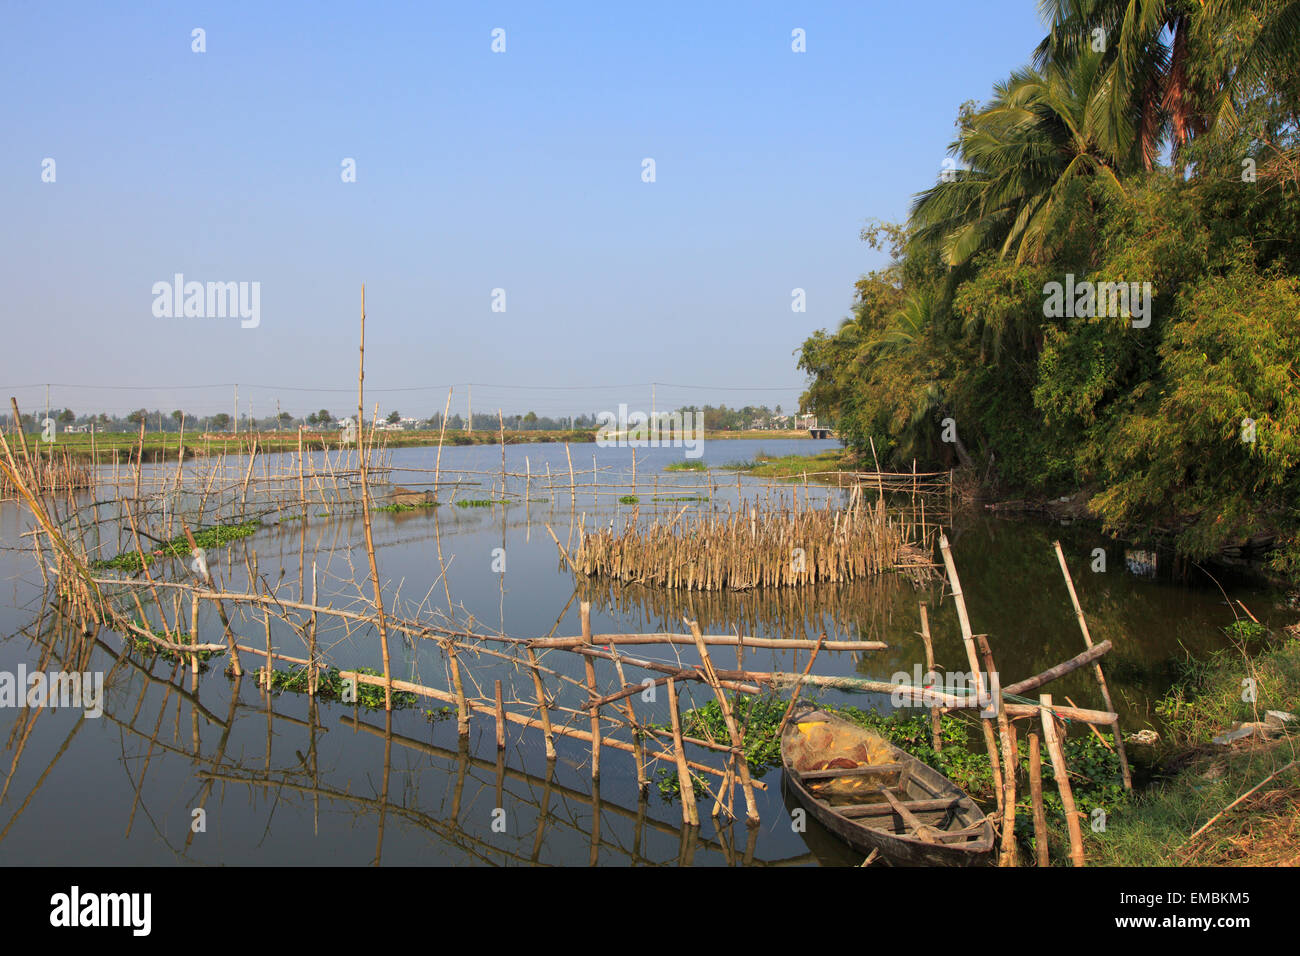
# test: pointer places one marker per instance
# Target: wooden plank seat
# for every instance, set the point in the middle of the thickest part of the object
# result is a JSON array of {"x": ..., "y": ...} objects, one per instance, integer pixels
[
  {"x": 851, "y": 771},
  {"x": 882, "y": 809}
]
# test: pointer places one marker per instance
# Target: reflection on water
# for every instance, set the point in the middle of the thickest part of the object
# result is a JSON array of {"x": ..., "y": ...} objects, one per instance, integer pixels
[{"x": 289, "y": 779}]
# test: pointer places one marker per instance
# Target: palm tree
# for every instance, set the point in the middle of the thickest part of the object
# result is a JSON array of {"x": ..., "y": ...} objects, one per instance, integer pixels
[
  {"x": 1042, "y": 133},
  {"x": 1171, "y": 65}
]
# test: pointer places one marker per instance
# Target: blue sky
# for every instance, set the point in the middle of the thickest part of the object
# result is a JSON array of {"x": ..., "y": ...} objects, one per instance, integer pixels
[{"x": 474, "y": 171}]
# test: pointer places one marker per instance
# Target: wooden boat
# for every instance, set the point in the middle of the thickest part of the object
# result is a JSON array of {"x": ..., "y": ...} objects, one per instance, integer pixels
[{"x": 876, "y": 797}]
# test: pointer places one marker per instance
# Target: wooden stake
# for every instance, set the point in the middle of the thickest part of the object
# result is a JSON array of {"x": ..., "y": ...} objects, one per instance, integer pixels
[
  {"x": 501, "y": 719},
  {"x": 1062, "y": 774},
  {"x": 1101, "y": 675},
  {"x": 936, "y": 738},
  {"x": 1036, "y": 795},
  {"x": 690, "y": 815},
  {"x": 590, "y": 667}
]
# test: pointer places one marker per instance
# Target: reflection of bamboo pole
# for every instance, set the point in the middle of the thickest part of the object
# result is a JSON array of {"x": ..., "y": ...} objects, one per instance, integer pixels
[
  {"x": 1036, "y": 794},
  {"x": 1062, "y": 775},
  {"x": 1101, "y": 675}
]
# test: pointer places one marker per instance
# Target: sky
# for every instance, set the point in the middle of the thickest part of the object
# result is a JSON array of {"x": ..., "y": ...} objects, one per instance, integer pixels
[{"x": 521, "y": 170}]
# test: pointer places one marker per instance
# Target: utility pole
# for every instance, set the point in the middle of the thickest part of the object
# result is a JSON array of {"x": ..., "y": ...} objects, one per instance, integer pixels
[
  {"x": 236, "y": 409},
  {"x": 469, "y": 422},
  {"x": 654, "y": 427}
]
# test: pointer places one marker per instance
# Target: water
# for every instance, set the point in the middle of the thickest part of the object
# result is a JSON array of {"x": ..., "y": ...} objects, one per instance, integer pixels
[{"x": 290, "y": 780}]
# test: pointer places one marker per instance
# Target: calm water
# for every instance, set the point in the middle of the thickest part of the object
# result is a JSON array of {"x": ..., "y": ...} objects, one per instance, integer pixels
[{"x": 286, "y": 780}]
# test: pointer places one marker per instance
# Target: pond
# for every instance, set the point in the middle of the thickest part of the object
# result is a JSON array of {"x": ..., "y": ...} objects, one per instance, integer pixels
[{"x": 213, "y": 770}]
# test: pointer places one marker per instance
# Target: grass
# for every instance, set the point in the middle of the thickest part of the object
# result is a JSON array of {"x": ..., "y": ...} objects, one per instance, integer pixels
[
  {"x": 399, "y": 508},
  {"x": 629, "y": 500},
  {"x": 793, "y": 466},
  {"x": 688, "y": 464},
  {"x": 480, "y": 502},
  {"x": 208, "y": 539},
  {"x": 1197, "y": 781}
]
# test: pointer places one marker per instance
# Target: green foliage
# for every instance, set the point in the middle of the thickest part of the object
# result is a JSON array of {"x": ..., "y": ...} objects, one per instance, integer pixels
[
  {"x": 400, "y": 507},
  {"x": 628, "y": 499},
  {"x": 1186, "y": 423},
  {"x": 330, "y": 685},
  {"x": 757, "y": 718},
  {"x": 1207, "y": 697},
  {"x": 208, "y": 539}
]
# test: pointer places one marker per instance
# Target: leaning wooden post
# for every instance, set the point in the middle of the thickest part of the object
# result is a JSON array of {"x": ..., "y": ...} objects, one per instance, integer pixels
[
  {"x": 737, "y": 742},
  {"x": 936, "y": 738},
  {"x": 638, "y": 741},
  {"x": 972, "y": 658},
  {"x": 585, "y": 610},
  {"x": 541, "y": 704},
  {"x": 1062, "y": 774},
  {"x": 1036, "y": 795},
  {"x": 1101, "y": 675},
  {"x": 1009, "y": 759},
  {"x": 690, "y": 815},
  {"x": 364, "y": 453},
  {"x": 462, "y": 706},
  {"x": 501, "y": 719}
]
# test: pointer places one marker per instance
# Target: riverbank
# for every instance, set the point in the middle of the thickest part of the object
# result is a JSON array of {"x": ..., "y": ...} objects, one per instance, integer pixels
[
  {"x": 1234, "y": 803},
  {"x": 166, "y": 445}
]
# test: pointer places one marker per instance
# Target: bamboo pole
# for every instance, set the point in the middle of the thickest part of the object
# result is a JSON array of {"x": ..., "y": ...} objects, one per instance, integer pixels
[
  {"x": 1010, "y": 761},
  {"x": 1062, "y": 775},
  {"x": 541, "y": 704},
  {"x": 1036, "y": 795},
  {"x": 377, "y": 595},
  {"x": 590, "y": 668},
  {"x": 690, "y": 815},
  {"x": 501, "y": 720},
  {"x": 1100, "y": 674},
  {"x": 936, "y": 738},
  {"x": 737, "y": 742},
  {"x": 986, "y": 725}
]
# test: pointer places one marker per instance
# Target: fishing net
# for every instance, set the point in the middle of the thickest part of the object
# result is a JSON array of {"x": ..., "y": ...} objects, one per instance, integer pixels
[{"x": 823, "y": 745}]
